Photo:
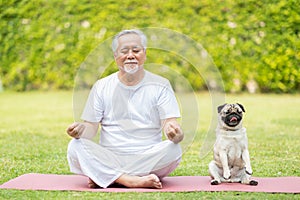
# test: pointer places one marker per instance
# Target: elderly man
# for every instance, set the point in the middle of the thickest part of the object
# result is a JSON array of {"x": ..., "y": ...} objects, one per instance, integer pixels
[{"x": 133, "y": 107}]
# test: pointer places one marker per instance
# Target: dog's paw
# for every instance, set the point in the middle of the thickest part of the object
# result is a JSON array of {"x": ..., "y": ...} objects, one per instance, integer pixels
[
  {"x": 226, "y": 175},
  {"x": 214, "y": 182},
  {"x": 253, "y": 183},
  {"x": 249, "y": 171}
]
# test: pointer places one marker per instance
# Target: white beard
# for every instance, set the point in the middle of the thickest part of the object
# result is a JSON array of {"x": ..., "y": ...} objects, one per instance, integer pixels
[{"x": 131, "y": 70}]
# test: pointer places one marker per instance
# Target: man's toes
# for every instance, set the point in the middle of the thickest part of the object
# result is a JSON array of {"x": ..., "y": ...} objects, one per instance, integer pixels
[
  {"x": 92, "y": 184},
  {"x": 158, "y": 185},
  {"x": 156, "y": 181}
]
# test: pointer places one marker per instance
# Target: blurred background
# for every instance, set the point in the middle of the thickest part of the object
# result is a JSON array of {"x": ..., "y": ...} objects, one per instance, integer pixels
[{"x": 254, "y": 43}]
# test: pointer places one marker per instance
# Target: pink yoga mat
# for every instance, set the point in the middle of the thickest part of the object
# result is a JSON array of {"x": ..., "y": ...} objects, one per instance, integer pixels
[{"x": 34, "y": 181}]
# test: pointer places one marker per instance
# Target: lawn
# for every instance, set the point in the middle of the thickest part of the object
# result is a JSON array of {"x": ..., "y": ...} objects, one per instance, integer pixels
[{"x": 33, "y": 139}]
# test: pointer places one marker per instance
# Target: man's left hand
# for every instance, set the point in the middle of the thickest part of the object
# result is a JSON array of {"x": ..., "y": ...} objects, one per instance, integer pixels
[{"x": 173, "y": 131}]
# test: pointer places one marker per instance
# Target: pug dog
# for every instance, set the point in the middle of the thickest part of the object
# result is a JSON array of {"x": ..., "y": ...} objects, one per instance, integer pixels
[{"x": 231, "y": 156}]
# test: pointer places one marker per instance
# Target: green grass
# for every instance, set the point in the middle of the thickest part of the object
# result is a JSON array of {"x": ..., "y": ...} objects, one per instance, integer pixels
[{"x": 33, "y": 139}]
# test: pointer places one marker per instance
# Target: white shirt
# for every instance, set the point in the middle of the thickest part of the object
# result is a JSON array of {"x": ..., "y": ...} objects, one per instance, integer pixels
[{"x": 130, "y": 116}]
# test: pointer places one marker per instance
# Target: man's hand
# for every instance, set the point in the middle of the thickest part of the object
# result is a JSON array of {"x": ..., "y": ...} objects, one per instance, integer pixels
[
  {"x": 76, "y": 129},
  {"x": 83, "y": 129},
  {"x": 173, "y": 130}
]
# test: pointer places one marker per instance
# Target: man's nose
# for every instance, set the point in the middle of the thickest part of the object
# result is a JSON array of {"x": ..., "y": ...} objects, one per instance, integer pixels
[{"x": 130, "y": 54}]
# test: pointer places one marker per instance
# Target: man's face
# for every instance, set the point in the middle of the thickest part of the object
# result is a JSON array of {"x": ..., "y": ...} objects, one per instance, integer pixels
[{"x": 130, "y": 53}]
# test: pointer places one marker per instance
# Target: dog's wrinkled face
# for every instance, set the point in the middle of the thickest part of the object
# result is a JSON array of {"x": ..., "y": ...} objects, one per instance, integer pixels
[{"x": 230, "y": 116}]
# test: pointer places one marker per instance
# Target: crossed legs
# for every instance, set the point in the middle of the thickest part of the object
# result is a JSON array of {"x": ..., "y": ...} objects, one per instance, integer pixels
[{"x": 83, "y": 161}]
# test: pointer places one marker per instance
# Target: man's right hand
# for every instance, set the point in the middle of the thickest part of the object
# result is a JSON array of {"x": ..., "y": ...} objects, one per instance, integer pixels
[{"x": 76, "y": 129}]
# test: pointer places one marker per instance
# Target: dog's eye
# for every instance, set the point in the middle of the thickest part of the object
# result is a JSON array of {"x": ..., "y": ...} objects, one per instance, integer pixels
[
  {"x": 239, "y": 111},
  {"x": 227, "y": 112}
]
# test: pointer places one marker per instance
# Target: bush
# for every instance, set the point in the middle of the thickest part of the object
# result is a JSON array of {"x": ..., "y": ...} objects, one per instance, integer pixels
[{"x": 254, "y": 43}]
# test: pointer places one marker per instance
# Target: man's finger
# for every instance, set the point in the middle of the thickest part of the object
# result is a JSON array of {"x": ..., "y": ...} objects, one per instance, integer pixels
[
  {"x": 175, "y": 127},
  {"x": 72, "y": 126},
  {"x": 172, "y": 125}
]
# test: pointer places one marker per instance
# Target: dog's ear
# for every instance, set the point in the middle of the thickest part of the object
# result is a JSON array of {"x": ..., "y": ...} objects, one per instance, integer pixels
[
  {"x": 221, "y": 107},
  {"x": 242, "y": 107}
]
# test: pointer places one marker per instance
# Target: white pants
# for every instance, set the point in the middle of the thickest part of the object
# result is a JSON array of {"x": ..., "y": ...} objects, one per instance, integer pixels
[{"x": 104, "y": 167}]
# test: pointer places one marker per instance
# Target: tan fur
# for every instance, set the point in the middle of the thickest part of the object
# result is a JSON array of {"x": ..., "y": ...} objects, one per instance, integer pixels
[{"x": 231, "y": 156}]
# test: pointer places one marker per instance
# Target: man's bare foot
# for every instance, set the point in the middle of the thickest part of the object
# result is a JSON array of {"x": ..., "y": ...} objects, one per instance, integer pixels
[
  {"x": 92, "y": 184},
  {"x": 149, "y": 181}
]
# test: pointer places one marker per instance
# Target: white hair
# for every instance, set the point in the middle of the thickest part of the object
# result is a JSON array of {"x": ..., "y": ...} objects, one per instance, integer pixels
[{"x": 125, "y": 32}]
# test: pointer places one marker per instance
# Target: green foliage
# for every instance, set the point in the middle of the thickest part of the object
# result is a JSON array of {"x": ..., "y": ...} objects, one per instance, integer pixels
[{"x": 253, "y": 43}]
